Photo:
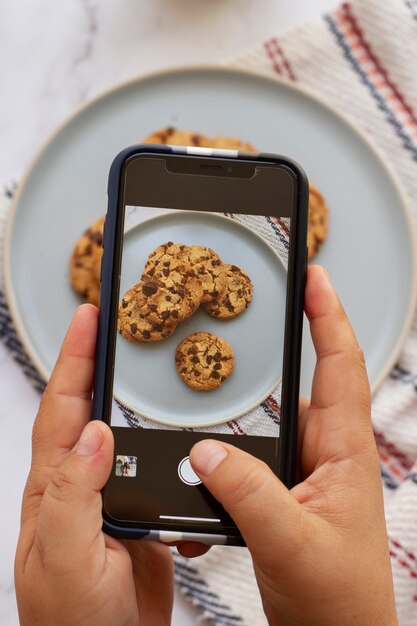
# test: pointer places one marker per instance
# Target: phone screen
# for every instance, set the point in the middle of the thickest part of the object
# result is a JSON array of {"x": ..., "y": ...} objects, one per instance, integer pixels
[{"x": 201, "y": 297}]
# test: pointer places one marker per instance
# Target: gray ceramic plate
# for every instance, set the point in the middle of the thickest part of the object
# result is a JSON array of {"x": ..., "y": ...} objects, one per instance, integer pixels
[
  {"x": 146, "y": 379},
  {"x": 370, "y": 252}
]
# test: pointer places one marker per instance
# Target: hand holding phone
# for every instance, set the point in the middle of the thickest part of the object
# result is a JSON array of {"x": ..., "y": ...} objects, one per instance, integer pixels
[
  {"x": 63, "y": 555},
  {"x": 200, "y": 328}
]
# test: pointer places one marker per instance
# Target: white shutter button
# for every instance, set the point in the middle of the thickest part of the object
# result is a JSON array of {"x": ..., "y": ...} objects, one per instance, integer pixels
[{"x": 187, "y": 474}]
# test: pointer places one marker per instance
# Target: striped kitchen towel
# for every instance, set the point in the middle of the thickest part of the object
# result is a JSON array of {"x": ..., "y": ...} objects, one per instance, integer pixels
[{"x": 362, "y": 58}]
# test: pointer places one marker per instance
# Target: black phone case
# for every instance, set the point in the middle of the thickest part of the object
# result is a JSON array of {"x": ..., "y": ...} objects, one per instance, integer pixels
[{"x": 297, "y": 267}]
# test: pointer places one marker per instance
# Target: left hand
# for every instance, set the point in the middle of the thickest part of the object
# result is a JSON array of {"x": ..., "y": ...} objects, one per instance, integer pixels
[{"x": 67, "y": 571}]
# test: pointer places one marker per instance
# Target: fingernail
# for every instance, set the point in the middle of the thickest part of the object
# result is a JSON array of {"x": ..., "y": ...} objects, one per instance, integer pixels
[
  {"x": 90, "y": 441},
  {"x": 206, "y": 456}
]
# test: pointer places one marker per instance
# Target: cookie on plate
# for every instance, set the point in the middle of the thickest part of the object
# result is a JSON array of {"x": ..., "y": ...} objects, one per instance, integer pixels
[
  {"x": 85, "y": 263},
  {"x": 318, "y": 222},
  {"x": 149, "y": 312},
  {"x": 318, "y": 211},
  {"x": 235, "y": 299},
  {"x": 170, "y": 136},
  {"x": 204, "y": 361}
]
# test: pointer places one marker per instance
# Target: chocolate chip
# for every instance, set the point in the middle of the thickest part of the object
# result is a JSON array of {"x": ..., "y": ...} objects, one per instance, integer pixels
[
  {"x": 196, "y": 140},
  {"x": 209, "y": 359},
  {"x": 197, "y": 373},
  {"x": 215, "y": 374},
  {"x": 133, "y": 329},
  {"x": 234, "y": 268},
  {"x": 240, "y": 292},
  {"x": 184, "y": 369},
  {"x": 175, "y": 314},
  {"x": 158, "y": 327},
  {"x": 146, "y": 334},
  {"x": 214, "y": 294},
  {"x": 169, "y": 243},
  {"x": 165, "y": 272},
  {"x": 217, "y": 366},
  {"x": 217, "y": 357},
  {"x": 79, "y": 264},
  {"x": 225, "y": 358},
  {"x": 97, "y": 238},
  {"x": 89, "y": 250},
  {"x": 149, "y": 289},
  {"x": 165, "y": 315},
  {"x": 124, "y": 304},
  {"x": 153, "y": 308},
  {"x": 166, "y": 263},
  {"x": 195, "y": 359},
  {"x": 168, "y": 298},
  {"x": 201, "y": 270},
  {"x": 181, "y": 292},
  {"x": 151, "y": 272}
]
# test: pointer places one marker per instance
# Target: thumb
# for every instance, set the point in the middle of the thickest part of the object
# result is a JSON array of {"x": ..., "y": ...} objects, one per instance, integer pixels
[
  {"x": 260, "y": 505},
  {"x": 70, "y": 515}
]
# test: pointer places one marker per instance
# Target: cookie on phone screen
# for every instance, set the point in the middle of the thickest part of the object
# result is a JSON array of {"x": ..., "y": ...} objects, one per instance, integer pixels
[
  {"x": 169, "y": 266},
  {"x": 236, "y": 297},
  {"x": 148, "y": 312},
  {"x": 204, "y": 361}
]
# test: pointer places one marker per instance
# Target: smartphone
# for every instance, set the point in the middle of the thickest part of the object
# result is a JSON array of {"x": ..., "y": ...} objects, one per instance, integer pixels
[{"x": 245, "y": 214}]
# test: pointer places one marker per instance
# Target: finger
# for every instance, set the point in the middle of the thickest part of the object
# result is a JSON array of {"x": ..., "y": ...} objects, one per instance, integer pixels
[
  {"x": 66, "y": 403},
  {"x": 191, "y": 549},
  {"x": 252, "y": 495},
  {"x": 153, "y": 573},
  {"x": 337, "y": 423},
  {"x": 65, "y": 407},
  {"x": 303, "y": 405},
  {"x": 70, "y": 514},
  {"x": 340, "y": 367}
]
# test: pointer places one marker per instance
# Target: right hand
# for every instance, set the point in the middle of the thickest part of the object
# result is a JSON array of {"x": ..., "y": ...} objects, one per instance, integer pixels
[{"x": 319, "y": 550}]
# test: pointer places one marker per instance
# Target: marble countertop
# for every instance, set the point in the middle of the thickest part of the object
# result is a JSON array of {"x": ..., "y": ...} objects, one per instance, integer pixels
[{"x": 53, "y": 57}]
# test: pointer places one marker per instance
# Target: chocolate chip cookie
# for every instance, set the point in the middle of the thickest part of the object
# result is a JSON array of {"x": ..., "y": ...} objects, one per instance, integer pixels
[
  {"x": 149, "y": 312},
  {"x": 318, "y": 222},
  {"x": 172, "y": 137},
  {"x": 204, "y": 361},
  {"x": 318, "y": 211},
  {"x": 169, "y": 266},
  {"x": 209, "y": 269},
  {"x": 235, "y": 299},
  {"x": 86, "y": 261}
]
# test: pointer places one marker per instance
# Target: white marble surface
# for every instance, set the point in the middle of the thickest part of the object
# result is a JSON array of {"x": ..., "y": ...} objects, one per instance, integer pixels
[{"x": 54, "y": 56}]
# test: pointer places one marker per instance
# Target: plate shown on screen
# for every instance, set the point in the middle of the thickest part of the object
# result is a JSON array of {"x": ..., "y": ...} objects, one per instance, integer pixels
[
  {"x": 369, "y": 251},
  {"x": 146, "y": 379}
]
